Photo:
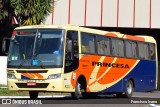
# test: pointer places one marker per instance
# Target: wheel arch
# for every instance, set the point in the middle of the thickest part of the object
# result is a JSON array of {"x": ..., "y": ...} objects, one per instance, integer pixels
[
  {"x": 83, "y": 81},
  {"x": 132, "y": 82}
]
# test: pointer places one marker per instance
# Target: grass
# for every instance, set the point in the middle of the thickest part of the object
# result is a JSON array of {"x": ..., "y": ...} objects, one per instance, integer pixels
[{"x": 6, "y": 92}]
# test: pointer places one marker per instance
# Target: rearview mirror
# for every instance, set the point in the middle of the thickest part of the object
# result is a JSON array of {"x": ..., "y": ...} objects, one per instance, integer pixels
[{"x": 5, "y": 45}]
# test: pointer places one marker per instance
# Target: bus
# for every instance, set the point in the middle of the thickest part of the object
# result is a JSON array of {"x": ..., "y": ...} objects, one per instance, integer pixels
[{"x": 81, "y": 61}]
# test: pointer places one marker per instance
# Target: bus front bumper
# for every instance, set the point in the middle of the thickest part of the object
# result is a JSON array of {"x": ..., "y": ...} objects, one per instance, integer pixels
[{"x": 54, "y": 85}]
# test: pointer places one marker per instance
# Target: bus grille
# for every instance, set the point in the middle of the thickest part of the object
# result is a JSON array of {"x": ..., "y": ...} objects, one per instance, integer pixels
[{"x": 38, "y": 85}]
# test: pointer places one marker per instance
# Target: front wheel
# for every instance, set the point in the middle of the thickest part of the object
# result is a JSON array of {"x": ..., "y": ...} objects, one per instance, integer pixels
[
  {"x": 33, "y": 94},
  {"x": 78, "y": 91}
]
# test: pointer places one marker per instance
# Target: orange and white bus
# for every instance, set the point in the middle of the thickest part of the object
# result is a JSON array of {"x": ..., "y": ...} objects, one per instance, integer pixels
[{"x": 81, "y": 61}]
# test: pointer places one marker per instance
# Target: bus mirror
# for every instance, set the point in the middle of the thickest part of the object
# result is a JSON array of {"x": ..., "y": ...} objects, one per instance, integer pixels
[{"x": 5, "y": 45}]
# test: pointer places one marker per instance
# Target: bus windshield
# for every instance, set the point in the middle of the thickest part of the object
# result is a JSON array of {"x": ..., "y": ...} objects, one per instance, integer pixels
[{"x": 36, "y": 48}]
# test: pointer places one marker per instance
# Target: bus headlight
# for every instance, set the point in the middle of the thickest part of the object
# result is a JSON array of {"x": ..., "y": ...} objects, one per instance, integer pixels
[
  {"x": 11, "y": 76},
  {"x": 54, "y": 76}
]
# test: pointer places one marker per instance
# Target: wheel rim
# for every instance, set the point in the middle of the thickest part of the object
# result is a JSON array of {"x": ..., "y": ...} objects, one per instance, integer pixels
[
  {"x": 79, "y": 89},
  {"x": 129, "y": 88}
]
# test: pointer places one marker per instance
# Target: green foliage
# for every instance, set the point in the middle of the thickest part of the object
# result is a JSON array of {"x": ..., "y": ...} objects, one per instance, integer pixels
[
  {"x": 26, "y": 12},
  {"x": 6, "y": 92},
  {"x": 31, "y": 12},
  {"x": 4, "y": 10},
  {"x": 3, "y": 14}
]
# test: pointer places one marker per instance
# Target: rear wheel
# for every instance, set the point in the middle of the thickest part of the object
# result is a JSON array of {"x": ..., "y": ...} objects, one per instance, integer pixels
[
  {"x": 33, "y": 94},
  {"x": 129, "y": 90}
]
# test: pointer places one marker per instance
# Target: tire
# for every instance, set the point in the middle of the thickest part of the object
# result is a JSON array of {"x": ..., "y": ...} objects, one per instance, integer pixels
[
  {"x": 33, "y": 94},
  {"x": 129, "y": 90},
  {"x": 78, "y": 91}
]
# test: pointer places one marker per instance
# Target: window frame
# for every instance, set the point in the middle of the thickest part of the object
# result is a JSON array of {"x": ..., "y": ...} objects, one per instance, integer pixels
[
  {"x": 95, "y": 46},
  {"x": 125, "y": 40}
]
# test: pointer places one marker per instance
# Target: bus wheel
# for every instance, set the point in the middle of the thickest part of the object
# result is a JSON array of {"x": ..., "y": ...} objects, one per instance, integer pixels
[
  {"x": 78, "y": 91},
  {"x": 33, "y": 94},
  {"x": 129, "y": 90}
]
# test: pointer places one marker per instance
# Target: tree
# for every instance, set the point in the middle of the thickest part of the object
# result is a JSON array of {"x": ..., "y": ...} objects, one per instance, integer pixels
[
  {"x": 6, "y": 12},
  {"x": 26, "y": 12},
  {"x": 31, "y": 12}
]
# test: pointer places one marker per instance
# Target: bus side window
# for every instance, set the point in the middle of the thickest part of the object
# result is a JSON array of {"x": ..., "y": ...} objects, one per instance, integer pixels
[
  {"x": 92, "y": 44},
  {"x": 100, "y": 45},
  {"x": 146, "y": 49},
  {"x": 141, "y": 50},
  {"x": 134, "y": 49},
  {"x": 88, "y": 43},
  {"x": 129, "y": 51},
  {"x": 106, "y": 46},
  {"x": 84, "y": 40},
  {"x": 114, "y": 47},
  {"x": 120, "y": 48},
  {"x": 152, "y": 51}
]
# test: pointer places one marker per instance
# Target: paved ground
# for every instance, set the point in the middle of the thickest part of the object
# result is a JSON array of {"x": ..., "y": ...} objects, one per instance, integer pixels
[
  {"x": 154, "y": 94},
  {"x": 139, "y": 99}
]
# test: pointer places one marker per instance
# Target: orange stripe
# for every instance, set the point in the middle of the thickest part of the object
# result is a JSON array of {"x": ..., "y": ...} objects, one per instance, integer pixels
[
  {"x": 38, "y": 75},
  {"x": 111, "y": 34},
  {"x": 116, "y": 73},
  {"x": 135, "y": 38},
  {"x": 103, "y": 69},
  {"x": 85, "y": 67}
]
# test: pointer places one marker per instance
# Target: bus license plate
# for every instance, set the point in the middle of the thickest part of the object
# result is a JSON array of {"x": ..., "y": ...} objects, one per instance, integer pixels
[{"x": 31, "y": 83}]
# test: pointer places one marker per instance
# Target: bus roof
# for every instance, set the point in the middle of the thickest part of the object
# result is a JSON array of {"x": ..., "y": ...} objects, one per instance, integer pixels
[{"x": 142, "y": 38}]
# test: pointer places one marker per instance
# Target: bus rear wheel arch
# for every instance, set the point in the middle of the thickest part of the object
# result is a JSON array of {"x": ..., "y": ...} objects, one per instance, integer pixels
[{"x": 129, "y": 89}]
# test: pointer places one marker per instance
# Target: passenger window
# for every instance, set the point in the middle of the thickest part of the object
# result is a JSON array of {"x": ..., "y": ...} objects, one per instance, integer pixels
[
  {"x": 143, "y": 51},
  {"x": 120, "y": 48},
  {"x": 92, "y": 44},
  {"x": 114, "y": 48},
  {"x": 100, "y": 45},
  {"x": 84, "y": 39},
  {"x": 106, "y": 46},
  {"x": 152, "y": 51},
  {"x": 134, "y": 49},
  {"x": 88, "y": 43},
  {"x": 103, "y": 45},
  {"x": 146, "y": 50},
  {"x": 129, "y": 51},
  {"x": 117, "y": 47}
]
